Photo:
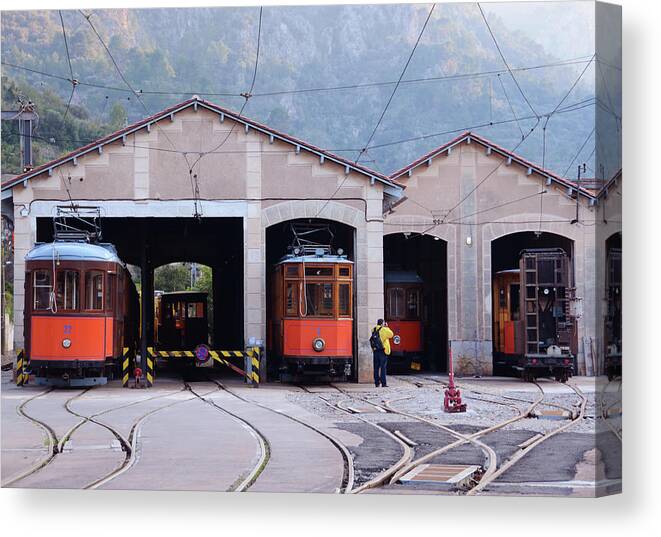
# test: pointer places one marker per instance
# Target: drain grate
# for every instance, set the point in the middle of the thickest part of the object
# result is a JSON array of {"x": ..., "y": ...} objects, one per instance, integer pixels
[{"x": 446, "y": 476}]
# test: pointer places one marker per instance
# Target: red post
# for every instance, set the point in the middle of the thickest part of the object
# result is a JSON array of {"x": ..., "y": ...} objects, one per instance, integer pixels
[{"x": 452, "y": 401}]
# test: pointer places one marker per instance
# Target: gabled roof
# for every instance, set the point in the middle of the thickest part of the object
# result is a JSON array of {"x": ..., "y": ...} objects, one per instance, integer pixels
[
  {"x": 612, "y": 181},
  {"x": 492, "y": 148},
  {"x": 195, "y": 102}
]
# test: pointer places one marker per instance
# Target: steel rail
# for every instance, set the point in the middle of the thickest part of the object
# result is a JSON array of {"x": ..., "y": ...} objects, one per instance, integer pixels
[
  {"x": 348, "y": 474},
  {"x": 486, "y": 480},
  {"x": 241, "y": 484},
  {"x": 132, "y": 440},
  {"x": 604, "y": 409},
  {"x": 50, "y": 433},
  {"x": 490, "y": 454}
]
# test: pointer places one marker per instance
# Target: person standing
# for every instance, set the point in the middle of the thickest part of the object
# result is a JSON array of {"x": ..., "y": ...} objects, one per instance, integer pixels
[{"x": 380, "y": 343}]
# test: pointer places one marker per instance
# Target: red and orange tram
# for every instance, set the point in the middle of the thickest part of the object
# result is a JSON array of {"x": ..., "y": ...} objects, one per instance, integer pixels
[
  {"x": 81, "y": 310},
  {"x": 311, "y": 317},
  {"x": 534, "y": 328},
  {"x": 403, "y": 312},
  {"x": 613, "y": 317}
]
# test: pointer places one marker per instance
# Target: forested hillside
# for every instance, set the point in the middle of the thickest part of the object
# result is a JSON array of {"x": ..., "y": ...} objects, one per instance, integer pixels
[{"x": 174, "y": 53}]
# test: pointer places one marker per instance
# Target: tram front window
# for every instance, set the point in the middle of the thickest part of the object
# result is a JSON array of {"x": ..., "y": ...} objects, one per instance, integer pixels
[{"x": 319, "y": 299}]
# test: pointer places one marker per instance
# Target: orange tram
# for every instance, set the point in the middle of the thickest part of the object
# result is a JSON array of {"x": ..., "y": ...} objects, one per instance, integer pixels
[
  {"x": 534, "y": 325},
  {"x": 81, "y": 310},
  {"x": 403, "y": 312},
  {"x": 311, "y": 318}
]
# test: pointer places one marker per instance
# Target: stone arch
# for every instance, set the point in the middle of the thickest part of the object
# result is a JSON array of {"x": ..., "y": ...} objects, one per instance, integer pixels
[{"x": 295, "y": 209}]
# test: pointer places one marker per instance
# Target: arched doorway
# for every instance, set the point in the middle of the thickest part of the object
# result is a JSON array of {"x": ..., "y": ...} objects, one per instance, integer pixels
[
  {"x": 510, "y": 323},
  {"x": 413, "y": 261}
]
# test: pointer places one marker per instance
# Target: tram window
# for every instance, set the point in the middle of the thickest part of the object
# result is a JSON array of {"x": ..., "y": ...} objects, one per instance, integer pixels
[
  {"x": 292, "y": 270},
  {"x": 515, "y": 306},
  {"x": 195, "y": 310},
  {"x": 291, "y": 298},
  {"x": 109, "y": 290},
  {"x": 396, "y": 303},
  {"x": 344, "y": 299},
  {"x": 42, "y": 288},
  {"x": 66, "y": 291},
  {"x": 345, "y": 271},
  {"x": 318, "y": 271},
  {"x": 412, "y": 303},
  {"x": 94, "y": 290},
  {"x": 319, "y": 299}
]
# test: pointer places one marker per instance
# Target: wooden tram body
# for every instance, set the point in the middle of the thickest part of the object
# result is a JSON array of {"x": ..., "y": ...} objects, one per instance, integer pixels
[
  {"x": 403, "y": 312},
  {"x": 613, "y": 318},
  {"x": 81, "y": 310},
  {"x": 534, "y": 327},
  {"x": 310, "y": 329},
  {"x": 181, "y": 320}
]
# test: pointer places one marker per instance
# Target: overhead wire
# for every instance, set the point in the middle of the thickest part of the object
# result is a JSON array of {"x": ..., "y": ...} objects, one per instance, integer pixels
[
  {"x": 365, "y": 85},
  {"x": 500, "y": 163},
  {"x": 392, "y": 95},
  {"x": 73, "y": 80},
  {"x": 502, "y": 56}
]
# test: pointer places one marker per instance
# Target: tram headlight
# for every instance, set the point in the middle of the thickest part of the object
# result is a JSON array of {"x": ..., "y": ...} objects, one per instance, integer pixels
[
  {"x": 397, "y": 340},
  {"x": 66, "y": 343},
  {"x": 318, "y": 344}
]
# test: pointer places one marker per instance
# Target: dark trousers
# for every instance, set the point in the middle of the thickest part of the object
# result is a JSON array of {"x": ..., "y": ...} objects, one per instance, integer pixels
[{"x": 380, "y": 363}]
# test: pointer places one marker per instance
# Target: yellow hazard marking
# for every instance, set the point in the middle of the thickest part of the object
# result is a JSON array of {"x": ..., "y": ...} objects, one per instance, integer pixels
[
  {"x": 255, "y": 362},
  {"x": 238, "y": 353},
  {"x": 150, "y": 350},
  {"x": 214, "y": 355},
  {"x": 189, "y": 354},
  {"x": 125, "y": 379},
  {"x": 125, "y": 351},
  {"x": 164, "y": 354},
  {"x": 125, "y": 364},
  {"x": 150, "y": 363},
  {"x": 255, "y": 376},
  {"x": 150, "y": 379},
  {"x": 225, "y": 353}
]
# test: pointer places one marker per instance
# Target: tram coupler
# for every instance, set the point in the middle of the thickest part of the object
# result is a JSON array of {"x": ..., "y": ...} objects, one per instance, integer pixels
[{"x": 452, "y": 401}]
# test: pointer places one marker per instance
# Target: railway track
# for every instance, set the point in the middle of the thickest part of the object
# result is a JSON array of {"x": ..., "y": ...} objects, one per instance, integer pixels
[
  {"x": 492, "y": 469},
  {"x": 604, "y": 407},
  {"x": 348, "y": 473},
  {"x": 244, "y": 482},
  {"x": 56, "y": 445}
]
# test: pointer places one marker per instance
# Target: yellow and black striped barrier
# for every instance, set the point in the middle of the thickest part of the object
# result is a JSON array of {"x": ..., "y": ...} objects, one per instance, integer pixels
[
  {"x": 126, "y": 366},
  {"x": 149, "y": 373},
  {"x": 252, "y": 358},
  {"x": 22, "y": 373}
]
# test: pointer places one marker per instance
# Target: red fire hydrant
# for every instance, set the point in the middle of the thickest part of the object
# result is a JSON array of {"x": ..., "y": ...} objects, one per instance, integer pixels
[
  {"x": 137, "y": 374},
  {"x": 452, "y": 401}
]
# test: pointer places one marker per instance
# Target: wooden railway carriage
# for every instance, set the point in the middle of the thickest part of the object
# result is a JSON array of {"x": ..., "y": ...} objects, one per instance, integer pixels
[
  {"x": 181, "y": 320},
  {"x": 311, "y": 318},
  {"x": 403, "y": 312},
  {"x": 613, "y": 320},
  {"x": 81, "y": 310},
  {"x": 534, "y": 325}
]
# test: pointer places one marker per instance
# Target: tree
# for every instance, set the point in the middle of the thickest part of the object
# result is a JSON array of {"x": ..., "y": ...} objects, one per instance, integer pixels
[
  {"x": 172, "y": 277},
  {"x": 118, "y": 116}
]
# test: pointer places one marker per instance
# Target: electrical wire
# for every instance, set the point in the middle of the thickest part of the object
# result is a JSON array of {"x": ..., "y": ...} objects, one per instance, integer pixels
[
  {"x": 378, "y": 123},
  {"x": 502, "y": 56},
  {"x": 73, "y": 81}
]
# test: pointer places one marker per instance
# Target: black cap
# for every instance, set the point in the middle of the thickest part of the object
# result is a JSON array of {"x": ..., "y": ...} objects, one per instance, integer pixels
[{"x": 379, "y": 322}]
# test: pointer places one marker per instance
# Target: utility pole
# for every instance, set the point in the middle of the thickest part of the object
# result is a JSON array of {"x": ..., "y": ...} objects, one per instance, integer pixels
[
  {"x": 25, "y": 116},
  {"x": 581, "y": 167}
]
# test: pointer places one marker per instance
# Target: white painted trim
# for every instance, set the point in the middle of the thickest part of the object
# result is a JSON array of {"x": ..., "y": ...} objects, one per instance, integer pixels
[{"x": 150, "y": 208}]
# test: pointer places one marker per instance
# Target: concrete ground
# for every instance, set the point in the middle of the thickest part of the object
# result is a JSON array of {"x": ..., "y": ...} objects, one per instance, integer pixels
[{"x": 208, "y": 438}]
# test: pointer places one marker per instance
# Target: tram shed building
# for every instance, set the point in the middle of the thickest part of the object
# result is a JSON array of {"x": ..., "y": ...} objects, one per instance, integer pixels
[{"x": 455, "y": 215}]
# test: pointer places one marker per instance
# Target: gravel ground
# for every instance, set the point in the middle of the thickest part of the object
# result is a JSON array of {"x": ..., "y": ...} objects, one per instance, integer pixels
[{"x": 565, "y": 457}]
